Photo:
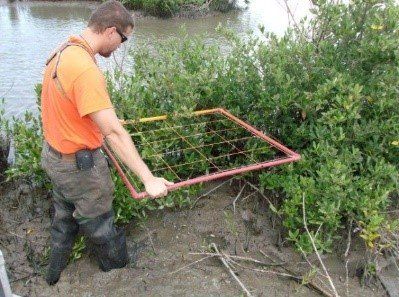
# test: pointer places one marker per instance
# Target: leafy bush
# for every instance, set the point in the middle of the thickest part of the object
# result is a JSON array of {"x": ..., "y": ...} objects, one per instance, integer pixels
[
  {"x": 332, "y": 96},
  {"x": 25, "y": 134},
  {"x": 223, "y": 5},
  {"x": 158, "y": 8},
  {"x": 169, "y": 8},
  {"x": 4, "y": 143}
]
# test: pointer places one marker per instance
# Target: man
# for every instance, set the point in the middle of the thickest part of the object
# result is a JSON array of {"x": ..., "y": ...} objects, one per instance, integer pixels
[{"x": 77, "y": 115}]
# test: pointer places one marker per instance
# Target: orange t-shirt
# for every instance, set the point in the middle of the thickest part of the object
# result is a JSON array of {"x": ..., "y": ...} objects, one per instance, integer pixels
[{"x": 66, "y": 124}]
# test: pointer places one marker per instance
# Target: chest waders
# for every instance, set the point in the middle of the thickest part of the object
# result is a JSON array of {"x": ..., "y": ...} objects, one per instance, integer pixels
[{"x": 106, "y": 241}]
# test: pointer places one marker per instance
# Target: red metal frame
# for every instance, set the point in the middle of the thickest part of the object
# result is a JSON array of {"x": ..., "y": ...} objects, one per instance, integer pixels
[{"x": 291, "y": 157}]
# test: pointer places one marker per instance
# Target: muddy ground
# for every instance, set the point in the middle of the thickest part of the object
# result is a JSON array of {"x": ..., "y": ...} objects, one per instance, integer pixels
[{"x": 162, "y": 247}]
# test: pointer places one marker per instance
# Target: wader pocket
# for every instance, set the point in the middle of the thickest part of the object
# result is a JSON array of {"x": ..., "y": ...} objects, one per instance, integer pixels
[{"x": 84, "y": 159}]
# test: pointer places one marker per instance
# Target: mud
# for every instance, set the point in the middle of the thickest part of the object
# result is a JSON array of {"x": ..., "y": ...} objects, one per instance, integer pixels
[{"x": 161, "y": 247}]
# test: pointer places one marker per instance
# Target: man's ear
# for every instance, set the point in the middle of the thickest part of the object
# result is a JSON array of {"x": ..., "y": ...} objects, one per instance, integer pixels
[{"x": 109, "y": 31}]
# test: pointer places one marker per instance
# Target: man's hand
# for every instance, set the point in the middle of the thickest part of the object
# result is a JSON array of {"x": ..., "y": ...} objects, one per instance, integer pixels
[{"x": 156, "y": 187}]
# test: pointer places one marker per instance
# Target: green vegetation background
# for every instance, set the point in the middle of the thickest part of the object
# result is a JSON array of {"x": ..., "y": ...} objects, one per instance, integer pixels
[
  {"x": 328, "y": 89},
  {"x": 170, "y": 8}
]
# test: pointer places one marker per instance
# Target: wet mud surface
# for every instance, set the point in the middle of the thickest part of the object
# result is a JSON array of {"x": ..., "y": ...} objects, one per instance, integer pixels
[{"x": 162, "y": 247}]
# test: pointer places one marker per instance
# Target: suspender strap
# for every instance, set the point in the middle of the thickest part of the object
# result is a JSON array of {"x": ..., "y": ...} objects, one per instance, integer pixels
[{"x": 57, "y": 54}]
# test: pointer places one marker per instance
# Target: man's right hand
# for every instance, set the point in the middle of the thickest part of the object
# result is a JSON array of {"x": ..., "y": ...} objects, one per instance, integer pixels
[{"x": 156, "y": 187}]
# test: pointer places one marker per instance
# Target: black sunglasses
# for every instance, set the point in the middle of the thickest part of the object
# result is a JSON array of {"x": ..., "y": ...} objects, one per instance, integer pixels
[{"x": 123, "y": 37}]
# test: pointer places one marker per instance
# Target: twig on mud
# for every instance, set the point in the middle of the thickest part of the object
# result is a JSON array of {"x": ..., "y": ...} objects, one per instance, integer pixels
[
  {"x": 310, "y": 263},
  {"x": 267, "y": 271},
  {"x": 210, "y": 191},
  {"x": 231, "y": 259},
  {"x": 320, "y": 273},
  {"x": 226, "y": 264},
  {"x": 263, "y": 196},
  {"x": 267, "y": 256},
  {"x": 150, "y": 237},
  {"x": 347, "y": 278},
  {"x": 240, "y": 258},
  {"x": 238, "y": 196},
  {"x": 16, "y": 235},
  {"x": 315, "y": 248},
  {"x": 249, "y": 195},
  {"x": 292, "y": 274},
  {"x": 348, "y": 246},
  {"x": 191, "y": 264}
]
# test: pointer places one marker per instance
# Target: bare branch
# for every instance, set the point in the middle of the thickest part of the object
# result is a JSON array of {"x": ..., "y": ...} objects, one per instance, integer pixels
[
  {"x": 240, "y": 258},
  {"x": 315, "y": 248},
  {"x": 226, "y": 264},
  {"x": 238, "y": 196},
  {"x": 263, "y": 196},
  {"x": 191, "y": 264},
  {"x": 210, "y": 191}
]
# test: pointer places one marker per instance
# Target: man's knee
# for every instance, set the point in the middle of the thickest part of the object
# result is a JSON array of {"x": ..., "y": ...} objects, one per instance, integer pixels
[
  {"x": 63, "y": 226},
  {"x": 100, "y": 229}
]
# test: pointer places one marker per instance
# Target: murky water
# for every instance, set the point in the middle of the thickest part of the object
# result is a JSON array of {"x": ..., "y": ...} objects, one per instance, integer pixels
[{"x": 29, "y": 31}]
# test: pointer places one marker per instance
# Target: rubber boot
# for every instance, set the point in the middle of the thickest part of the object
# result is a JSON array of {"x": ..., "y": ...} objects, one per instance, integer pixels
[
  {"x": 57, "y": 263},
  {"x": 113, "y": 254},
  {"x": 64, "y": 229},
  {"x": 108, "y": 242}
]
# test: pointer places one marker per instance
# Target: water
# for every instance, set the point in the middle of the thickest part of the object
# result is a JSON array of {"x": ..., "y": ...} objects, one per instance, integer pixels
[{"x": 29, "y": 31}]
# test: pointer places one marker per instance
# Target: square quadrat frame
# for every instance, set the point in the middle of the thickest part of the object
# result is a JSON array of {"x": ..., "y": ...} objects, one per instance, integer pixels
[{"x": 287, "y": 155}]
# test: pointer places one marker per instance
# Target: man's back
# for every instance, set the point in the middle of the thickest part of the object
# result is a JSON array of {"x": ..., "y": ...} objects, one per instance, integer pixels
[{"x": 78, "y": 89}]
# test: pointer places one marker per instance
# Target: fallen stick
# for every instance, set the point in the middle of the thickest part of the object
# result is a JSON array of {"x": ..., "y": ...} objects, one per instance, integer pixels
[
  {"x": 348, "y": 246},
  {"x": 299, "y": 279},
  {"x": 210, "y": 191},
  {"x": 315, "y": 248},
  {"x": 267, "y": 271},
  {"x": 149, "y": 233},
  {"x": 238, "y": 196},
  {"x": 191, "y": 264},
  {"x": 249, "y": 195},
  {"x": 16, "y": 235},
  {"x": 290, "y": 273},
  {"x": 310, "y": 263},
  {"x": 239, "y": 258},
  {"x": 263, "y": 195},
  {"x": 213, "y": 245}
]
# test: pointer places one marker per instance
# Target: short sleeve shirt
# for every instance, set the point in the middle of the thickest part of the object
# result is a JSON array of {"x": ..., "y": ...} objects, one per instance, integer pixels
[{"x": 67, "y": 125}]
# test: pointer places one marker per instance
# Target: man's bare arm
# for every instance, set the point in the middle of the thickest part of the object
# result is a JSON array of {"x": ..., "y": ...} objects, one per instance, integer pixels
[{"x": 121, "y": 143}]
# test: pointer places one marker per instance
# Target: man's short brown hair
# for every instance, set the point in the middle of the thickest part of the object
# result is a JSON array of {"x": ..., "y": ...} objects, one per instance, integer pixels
[{"x": 111, "y": 14}]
